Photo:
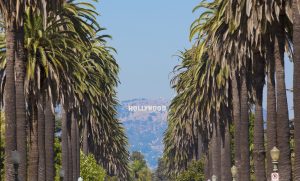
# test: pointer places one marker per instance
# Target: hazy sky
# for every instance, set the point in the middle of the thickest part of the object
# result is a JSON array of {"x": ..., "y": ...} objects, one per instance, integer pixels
[{"x": 147, "y": 34}]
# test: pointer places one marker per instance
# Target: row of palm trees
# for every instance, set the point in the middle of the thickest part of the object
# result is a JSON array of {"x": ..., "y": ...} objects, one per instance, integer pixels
[
  {"x": 54, "y": 56},
  {"x": 239, "y": 46}
]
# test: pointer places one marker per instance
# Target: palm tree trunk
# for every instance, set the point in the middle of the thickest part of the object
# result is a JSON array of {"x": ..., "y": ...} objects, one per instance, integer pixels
[
  {"x": 296, "y": 42},
  {"x": 271, "y": 112},
  {"x": 199, "y": 146},
  {"x": 244, "y": 131},
  {"x": 33, "y": 152},
  {"x": 283, "y": 128},
  {"x": 65, "y": 145},
  {"x": 74, "y": 144},
  {"x": 226, "y": 154},
  {"x": 70, "y": 159},
  {"x": 78, "y": 150},
  {"x": 1, "y": 138},
  {"x": 216, "y": 151},
  {"x": 41, "y": 141},
  {"x": 20, "y": 103},
  {"x": 210, "y": 160},
  {"x": 259, "y": 147},
  {"x": 10, "y": 101},
  {"x": 85, "y": 144},
  {"x": 207, "y": 166},
  {"x": 1, "y": 151},
  {"x": 49, "y": 140},
  {"x": 236, "y": 120}
]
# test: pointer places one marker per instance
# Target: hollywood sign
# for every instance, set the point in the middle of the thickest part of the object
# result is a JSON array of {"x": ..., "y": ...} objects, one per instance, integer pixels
[{"x": 149, "y": 108}]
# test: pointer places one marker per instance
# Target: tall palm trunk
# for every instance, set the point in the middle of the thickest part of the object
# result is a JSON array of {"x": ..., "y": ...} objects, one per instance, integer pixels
[
  {"x": 70, "y": 147},
  {"x": 271, "y": 111},
  {"x": 259, "y": 147},
  {"x": 49, "y": 140},
  {"x": 75, "y": 151},
  {"x": 10, "y": 101},
  {"x": 244, "y": 131},
  {"x": 200, "y": 146},
  {"x": 207, "y": 166},
  {"x": 41, "y": 141},
  {"x": 78, "y": 150},
  {"x": 20, "y": 103},
  {"x": 216, "y": 151},
  {"x": 33, "y": 152},
  {"x": 236, "y": 105},
  {"x": 225, "y": 154},
  {"x": 1, "y": 151},
  {"x": 283, "y": 129},
  {"x": 85, "y": 143},
  {"x": 66, "y": 116},
  {"x": 296, "y": 42}
]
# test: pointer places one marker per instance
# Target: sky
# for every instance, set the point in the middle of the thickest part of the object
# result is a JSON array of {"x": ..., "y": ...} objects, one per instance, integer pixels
[{"x": 148, "y": 35}]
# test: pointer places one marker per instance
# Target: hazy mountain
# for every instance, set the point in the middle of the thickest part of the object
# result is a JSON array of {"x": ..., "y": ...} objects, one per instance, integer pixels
[{"x": 145, "y": 122}]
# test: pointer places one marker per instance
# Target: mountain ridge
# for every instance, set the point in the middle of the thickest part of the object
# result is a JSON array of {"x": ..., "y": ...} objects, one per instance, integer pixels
[{"x": 145, "y": 127}]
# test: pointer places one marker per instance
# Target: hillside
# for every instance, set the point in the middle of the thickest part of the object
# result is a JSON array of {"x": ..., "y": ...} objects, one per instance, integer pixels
[{"x": 145, "y": 122}]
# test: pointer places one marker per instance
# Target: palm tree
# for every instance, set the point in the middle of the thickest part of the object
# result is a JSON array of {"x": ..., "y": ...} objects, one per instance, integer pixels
[
  {"x": 271, "y": 110},
  {"x": 14, "y": 87},
  {"x": 34, "y": 38},
  {"x": 259, "y": 147},
  {"x": 244, "y": 129},
  {"x": 216, "y": 149},
  {"x": 226, "y": 148},
  {"x": 9, "y": 89},
  {"x": 49, "y": 139},
  {"x": 296, "y": 57},
  {"x": 50, "y": 65},
  {"x": 33, "y": 152},
  {"x": 236, "y": 108},
  {"x": 179, "y": 138},
  {"x": 244, "y": 30},
  {"x": 75, "y": 145},
  {"x": 283, "y": 126},
  {"x": 41, "y": 139},
  {"x": 209, "y": 26},
  {"x": 50, "y": 69},
  {"x": 12, "y": 12},
  {"x": 65, "y": 144},
  {"x": 186, "y": 116}
]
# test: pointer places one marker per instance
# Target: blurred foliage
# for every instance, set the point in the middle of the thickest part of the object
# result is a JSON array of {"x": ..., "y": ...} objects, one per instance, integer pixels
[
  {"x": 160, "y": 172},
  {"x": 139, "y": 168},
  {"x": 57, "y": 123},
  {"x": 90, "y": 170},
  {"x": 194, "y": 172},
  {"x": 57, "y": 158}
]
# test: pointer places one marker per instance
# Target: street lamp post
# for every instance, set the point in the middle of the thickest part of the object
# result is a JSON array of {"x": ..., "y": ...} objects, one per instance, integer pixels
[
  {"x": 214, "y": 178},
  {"x": 275, "y": 154},
  {"x": 80, "y": 179},
  {"x": 234, "y": 172},
  {"x": 15, "y": 156}
]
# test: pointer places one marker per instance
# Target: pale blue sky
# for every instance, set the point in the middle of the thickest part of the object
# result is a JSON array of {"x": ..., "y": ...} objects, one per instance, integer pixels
[{"x": 147, "y": 35}]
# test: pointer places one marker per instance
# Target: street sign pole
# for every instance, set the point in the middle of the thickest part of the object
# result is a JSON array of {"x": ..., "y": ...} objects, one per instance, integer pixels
[{"x": 274, "y": 176}]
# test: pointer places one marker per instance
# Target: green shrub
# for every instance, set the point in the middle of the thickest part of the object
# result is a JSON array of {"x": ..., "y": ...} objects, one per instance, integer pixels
[
  {"x": 90, "y": 170},
  {"x": 194, "y": 172}
]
